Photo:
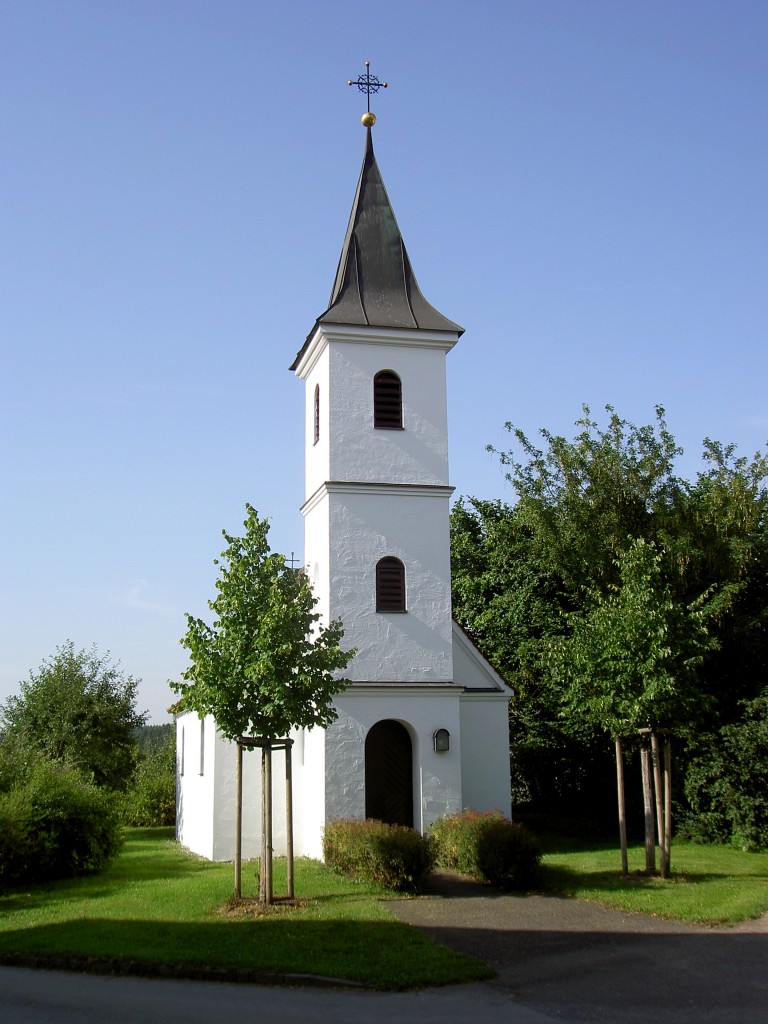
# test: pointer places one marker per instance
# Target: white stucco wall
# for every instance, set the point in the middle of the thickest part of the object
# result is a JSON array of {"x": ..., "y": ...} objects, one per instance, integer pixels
[
  {"x": 473, "y": 773},
  {"x": 317, "y": 551},
  {"x": 342, "y": 361},
  {"x": 436, "y": 776},
  {"x": 310, "y": 805},
  {"x": 365, "y": 526},
  {"x": 207, "y": 801},
  {"x": 317, "y": 455},
  {"x": 470, "y": 668},
  {"x": 195, "y": 783},
  {"x": 485, "y": 778},
  {"x": 416, "y": 454}
]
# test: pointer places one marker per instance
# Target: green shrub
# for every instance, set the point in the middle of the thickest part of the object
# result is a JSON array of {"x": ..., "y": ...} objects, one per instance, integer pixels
[
  {"x": 16, "y": 761},
  {"x": 15, "y": 844},
  {"x": 55, "y": 825},
  {"x": 727, "y": 783},
  {"x": 488, "y": 846},
  {"x": 391, "y": 855},
  {"x": 151, "y": 797}
]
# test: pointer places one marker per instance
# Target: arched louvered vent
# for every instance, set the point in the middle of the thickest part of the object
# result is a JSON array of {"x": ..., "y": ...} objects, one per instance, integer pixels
[
  {"x": 390, "y": 585},
  {"x": 387, "y": 401}
]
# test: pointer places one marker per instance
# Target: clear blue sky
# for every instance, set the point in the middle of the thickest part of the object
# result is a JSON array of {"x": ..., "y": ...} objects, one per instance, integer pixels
[{"x": 582, "y": 185}]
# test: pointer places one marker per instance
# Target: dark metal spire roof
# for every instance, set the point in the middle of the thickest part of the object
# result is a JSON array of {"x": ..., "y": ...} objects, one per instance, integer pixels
[{"x": 375, "y": 285}]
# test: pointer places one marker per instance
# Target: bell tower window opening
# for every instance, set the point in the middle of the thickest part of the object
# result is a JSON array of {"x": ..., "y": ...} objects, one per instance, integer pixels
[
  {"x": 390, "y": 585},
  {"x": 387, "y": 401}
]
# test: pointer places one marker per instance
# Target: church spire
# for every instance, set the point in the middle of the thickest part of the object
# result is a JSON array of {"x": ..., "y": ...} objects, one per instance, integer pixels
[{"x": 375, "y": 284}]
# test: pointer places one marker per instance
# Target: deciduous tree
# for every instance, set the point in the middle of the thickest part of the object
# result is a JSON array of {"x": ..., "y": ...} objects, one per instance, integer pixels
[
  {"x": 80, "y": 708},
  {"x": 521, "y": 571},
  {"x": 631, "y": 662},
  {"x": 265, "y": 665}
]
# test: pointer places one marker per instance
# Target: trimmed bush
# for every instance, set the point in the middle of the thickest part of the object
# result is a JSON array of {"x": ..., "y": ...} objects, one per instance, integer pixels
[
  {"x": 55, "y": 825},
  {"x": 391, "y": 855},
  {"x": 488, "y": 846}
]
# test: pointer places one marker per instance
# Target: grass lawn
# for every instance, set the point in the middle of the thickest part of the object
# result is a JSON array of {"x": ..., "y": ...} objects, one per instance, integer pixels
[
  {"x": 708, "y": 884},
  {"x": 157, "y": 905}
]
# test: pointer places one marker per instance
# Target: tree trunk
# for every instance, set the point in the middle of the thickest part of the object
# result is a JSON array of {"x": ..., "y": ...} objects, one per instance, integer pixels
[
  {"x": 267, "y": 798},
  {"x": 622, "y": 808},
  {"x": 239, "y": 825},
  {"x": 263, "y": 859},
  {"x": 289, "y": 817},
  {"x": 660, "y": 815},
  {"x": 650, "y": 839},
  {"x": 668, "y": 800}
]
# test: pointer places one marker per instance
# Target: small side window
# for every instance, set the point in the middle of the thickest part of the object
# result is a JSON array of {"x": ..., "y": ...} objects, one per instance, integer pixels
[
  {"x": 390, "y": 585},
  {"x": 387, "y": 401},
  {"x": 317, "y": 414}
]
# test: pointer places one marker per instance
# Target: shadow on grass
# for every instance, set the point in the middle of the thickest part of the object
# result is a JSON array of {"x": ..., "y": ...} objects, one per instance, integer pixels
[
  {"x": 382, "y": 954},
  {"x": 559, "y": 880},
  {"x": 138, "y": 861}
]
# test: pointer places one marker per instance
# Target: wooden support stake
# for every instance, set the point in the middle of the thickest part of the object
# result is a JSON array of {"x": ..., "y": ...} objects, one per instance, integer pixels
[
  {"x": 668, "y": 800},
  {"x": 660, "y": 817},
  {"x": 650, "y": 838},
  {"x": 289, "y": 816},
  {"x": 263, "y": 861},
  {"x": 239, "y": 825},
  {"x": 622, "y": 807},
  {"x": 268, "y": 803}
]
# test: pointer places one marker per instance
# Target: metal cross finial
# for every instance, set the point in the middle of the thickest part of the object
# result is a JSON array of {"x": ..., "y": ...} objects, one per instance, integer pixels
[
  {"x": 292, "y": 561},
  {"x": 368, "y": 83}
]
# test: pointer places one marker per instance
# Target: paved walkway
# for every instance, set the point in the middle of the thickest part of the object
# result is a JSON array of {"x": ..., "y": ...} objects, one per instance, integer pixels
[
  {"x": 577, "y": 961},
  {"x": 559, "y": 961}
]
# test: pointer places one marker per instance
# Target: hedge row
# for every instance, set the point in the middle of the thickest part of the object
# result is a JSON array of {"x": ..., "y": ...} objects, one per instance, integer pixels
[
  {"x": 391, "y": 855},
  {"x": 53, "y": 824},
  {"x": 487, "y": 846}
]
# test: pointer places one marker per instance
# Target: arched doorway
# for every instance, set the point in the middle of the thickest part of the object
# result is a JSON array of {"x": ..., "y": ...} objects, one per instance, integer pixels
[{"x": 389, "y": 773}]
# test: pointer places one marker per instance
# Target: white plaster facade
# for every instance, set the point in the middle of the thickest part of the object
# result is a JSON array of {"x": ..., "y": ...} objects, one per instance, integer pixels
[
  {"x": 371, "y": 493},
  {"x": 329, "y": 765}
]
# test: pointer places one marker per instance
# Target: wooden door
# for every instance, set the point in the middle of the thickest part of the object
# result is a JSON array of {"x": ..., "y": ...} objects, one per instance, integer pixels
[{"x": 389, "y": 774}]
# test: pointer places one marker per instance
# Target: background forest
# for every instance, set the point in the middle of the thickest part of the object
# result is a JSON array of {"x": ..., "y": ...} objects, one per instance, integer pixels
[{"x": 614, "y": 596}]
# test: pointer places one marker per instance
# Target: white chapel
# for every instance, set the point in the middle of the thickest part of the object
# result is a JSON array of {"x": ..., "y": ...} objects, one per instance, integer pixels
[{"x": 422, "y": 728}]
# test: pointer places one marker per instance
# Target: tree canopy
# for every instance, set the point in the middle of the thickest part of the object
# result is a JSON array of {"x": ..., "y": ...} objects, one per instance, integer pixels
[
  {"x": 265, "y": 665},
  {"x": 631, "y": 659},
  {"x": 604, "y": 535},
  {"x": 78, "y": 708}
]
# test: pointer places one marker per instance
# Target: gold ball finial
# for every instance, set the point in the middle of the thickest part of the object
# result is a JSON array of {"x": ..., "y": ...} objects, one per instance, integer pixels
[{"x": 368, "y": 119}]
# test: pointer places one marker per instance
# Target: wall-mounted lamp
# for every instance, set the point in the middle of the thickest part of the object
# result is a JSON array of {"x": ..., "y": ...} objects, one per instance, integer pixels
[{"x": 441, "y": 740}]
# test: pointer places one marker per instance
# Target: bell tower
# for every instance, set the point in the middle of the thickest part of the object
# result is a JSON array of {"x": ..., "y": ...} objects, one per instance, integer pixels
[
  {"x": 377, "y": 491},
  {"x": 422, "y": 729},
  {"x": 377, "y": 545}
]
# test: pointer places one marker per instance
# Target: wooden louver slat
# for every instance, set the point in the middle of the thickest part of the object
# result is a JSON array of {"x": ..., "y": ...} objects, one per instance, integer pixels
[
  {"x": 390, "y": 585},
  {"x": 387, "y": 401}
]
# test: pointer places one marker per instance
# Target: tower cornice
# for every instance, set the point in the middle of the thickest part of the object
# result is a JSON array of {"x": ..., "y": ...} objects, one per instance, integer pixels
[
  {"x": 378, "y": 488},
  {"x": 355, "y": 334}
]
